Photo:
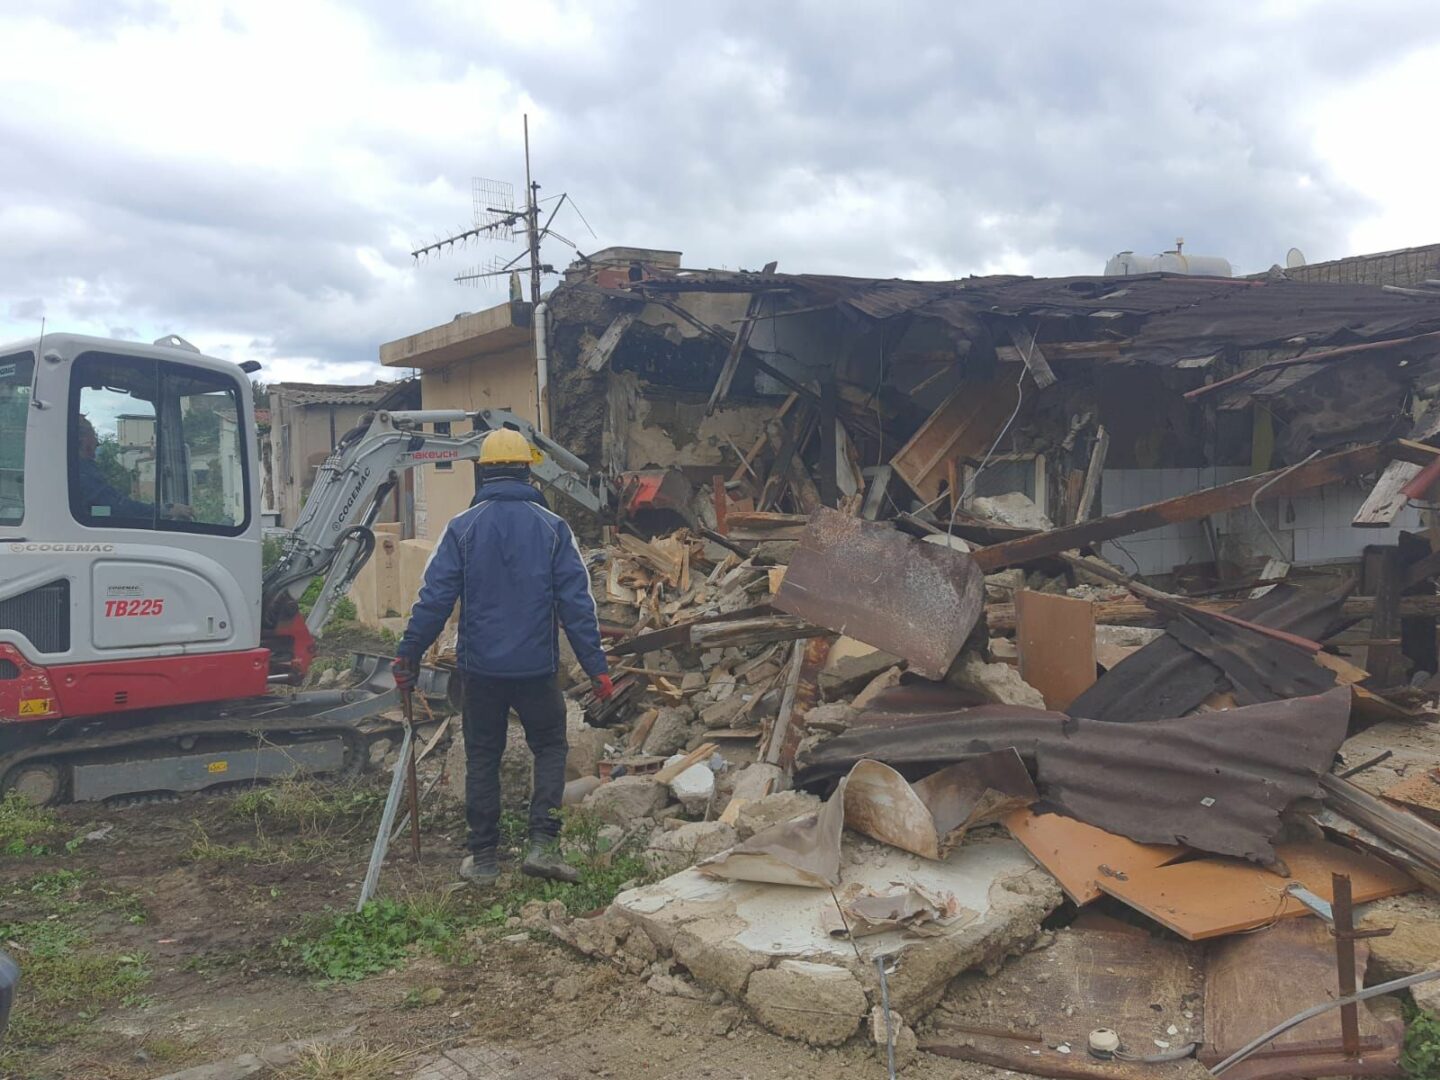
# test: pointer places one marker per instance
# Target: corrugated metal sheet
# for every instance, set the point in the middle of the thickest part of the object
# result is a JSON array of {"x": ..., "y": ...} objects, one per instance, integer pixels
[
  {"x": 1217, "y": 781},
  {"x": 1166, "y": 679}
]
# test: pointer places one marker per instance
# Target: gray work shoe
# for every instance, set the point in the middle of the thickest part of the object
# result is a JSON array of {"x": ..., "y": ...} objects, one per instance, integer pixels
[
  {"x": 544, "y": 861},
  {"x": 481, "y": 868}
]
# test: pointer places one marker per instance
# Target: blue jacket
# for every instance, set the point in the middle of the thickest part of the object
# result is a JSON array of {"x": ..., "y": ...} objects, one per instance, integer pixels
[{"x": 517, "y": 572}]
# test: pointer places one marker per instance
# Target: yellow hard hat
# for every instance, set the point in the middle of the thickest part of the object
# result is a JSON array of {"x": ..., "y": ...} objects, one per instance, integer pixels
[{"x": 506, "y": 447}]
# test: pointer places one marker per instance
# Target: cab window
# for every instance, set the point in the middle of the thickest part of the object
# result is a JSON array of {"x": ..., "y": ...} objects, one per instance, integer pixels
[
  {"x": 156, "y": 445},
  {"x": 16, "y": 372}
]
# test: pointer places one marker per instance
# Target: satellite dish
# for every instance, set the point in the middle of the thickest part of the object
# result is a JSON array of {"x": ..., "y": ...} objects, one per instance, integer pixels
[{"x": 1293, "y": 258}]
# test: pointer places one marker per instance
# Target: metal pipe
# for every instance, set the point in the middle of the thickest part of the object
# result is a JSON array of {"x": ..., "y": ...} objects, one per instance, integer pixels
[
  {"x": 542, "y": 367},
  {"x": 387, "y": 821}
]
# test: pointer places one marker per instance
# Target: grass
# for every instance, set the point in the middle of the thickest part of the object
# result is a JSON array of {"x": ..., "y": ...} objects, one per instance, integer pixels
[
  {"x": 603, "y": 869},
  {"x": 296, "y": 819},
  {"x": 59, "y": 893},
  {"x": 66, "y": 982},
  {"x": 26, "y": 829},
  {"x": 1421, "y": 1057},
  {"x": 345, "y": 1061}
]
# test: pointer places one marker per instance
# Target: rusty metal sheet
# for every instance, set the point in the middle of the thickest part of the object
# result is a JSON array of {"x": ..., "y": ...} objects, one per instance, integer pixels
[
  {"x": 1047, "y": 999},
  {"x": 907, "y": 597},
  {"x": 1165, "y": 678},
  {"x": 931, "y": 817},
  {"x": 1255, "y": 981},
  {"x": 1216, "y": 781}
]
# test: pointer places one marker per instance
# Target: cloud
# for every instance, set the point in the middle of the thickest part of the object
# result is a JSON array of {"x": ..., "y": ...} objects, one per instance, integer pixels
[{"x": 253, "y": 176}]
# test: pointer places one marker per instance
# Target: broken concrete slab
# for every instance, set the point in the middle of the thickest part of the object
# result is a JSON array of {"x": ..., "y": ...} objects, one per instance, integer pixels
[
  {"x": 998, "y": 683},
  {"x": 694, "y": 787},
  {"x": 891, "y": 1030},
  {"x": 819, "y": 1003},
  {"x": 627, "y": 800},
  {"x": 759, "y": 814},
  {"x": 1014, "y": 509},
  {"x": 722, "y": 931},
  {"x": 1412, "y": 948},
  {"x": 672, "y": 850},
  {"x": 669, "y": 732},
  {"x": 834, "y": 718},
  {"x": 851, "y": 665}
]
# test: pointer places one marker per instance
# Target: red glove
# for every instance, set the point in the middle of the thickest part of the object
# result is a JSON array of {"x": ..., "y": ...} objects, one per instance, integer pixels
[
  {"x": 604, "y": 687},
  {"x": 403, "y": 669}
]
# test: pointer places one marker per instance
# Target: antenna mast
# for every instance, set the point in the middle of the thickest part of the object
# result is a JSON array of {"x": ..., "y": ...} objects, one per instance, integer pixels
[{"x": 496, "y": 218}]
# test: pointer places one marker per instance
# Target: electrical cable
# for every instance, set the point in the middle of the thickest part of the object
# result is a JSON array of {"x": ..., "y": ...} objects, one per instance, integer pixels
[{"x": 1261, "y": 490}]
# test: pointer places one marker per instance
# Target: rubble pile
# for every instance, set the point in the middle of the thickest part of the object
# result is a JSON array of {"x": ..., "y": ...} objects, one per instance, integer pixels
[{"x": 862, "y": 754}]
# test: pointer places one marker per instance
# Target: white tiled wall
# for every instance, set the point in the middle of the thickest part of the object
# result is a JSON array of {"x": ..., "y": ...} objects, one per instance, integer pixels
[{"x": 1311, "y": 528}]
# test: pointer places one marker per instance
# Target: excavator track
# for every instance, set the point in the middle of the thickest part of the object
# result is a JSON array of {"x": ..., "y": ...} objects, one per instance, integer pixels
[{"x": 269, "y": 738}]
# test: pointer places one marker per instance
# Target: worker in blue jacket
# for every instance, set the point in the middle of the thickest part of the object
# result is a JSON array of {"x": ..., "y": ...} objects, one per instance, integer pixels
[{"x": 515, "y": 568}]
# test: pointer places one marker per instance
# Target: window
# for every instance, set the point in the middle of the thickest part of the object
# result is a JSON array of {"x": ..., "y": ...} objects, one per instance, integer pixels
[
  {"x": 156, "y": 445},
  {"x": 16, "y": 372},
  {"x": 442, "y": 427}
]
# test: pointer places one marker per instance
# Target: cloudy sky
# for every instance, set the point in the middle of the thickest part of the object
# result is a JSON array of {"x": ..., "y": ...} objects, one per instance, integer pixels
[{"x": 253, "y": 175}]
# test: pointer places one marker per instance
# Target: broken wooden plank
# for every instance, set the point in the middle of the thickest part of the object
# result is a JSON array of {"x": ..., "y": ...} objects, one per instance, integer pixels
[
  {"x": 761, "y": 441},
  {"x": 1092, "y": 474},
  {"x": 962, "y": 426},
  {"x": 778, "y": 732},
  {"x": 1080, "y": 855},
  {"x": 737, "y": 347},
  {"x": 1382, "y": 580},
  {"x": 699, "y": 754},
  {"x": 1032, "y": 356},
  {"x": 1416, "y": 837},
  {"x": 1385, "y": 501},
  {"x": 1270, "y": 485},
  {"x": 1274, "y": 572},
  {"x": 1055, "y": 636},
  {"x": 753, "y": 631},
  {"x": 597, "y": 355},
  {"x": 1207, "y": 898}
]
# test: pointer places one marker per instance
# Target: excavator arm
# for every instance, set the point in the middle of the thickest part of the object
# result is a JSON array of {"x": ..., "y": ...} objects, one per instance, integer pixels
[{"x": 333, "y": 535}]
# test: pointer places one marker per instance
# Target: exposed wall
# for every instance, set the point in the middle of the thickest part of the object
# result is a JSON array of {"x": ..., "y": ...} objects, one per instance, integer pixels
[
  {"x": 503, "y": 381},
  {"x": 301, "y": 437},
  {"x": 1311, "y": 529},
  {"x": 645, "y": 427}
]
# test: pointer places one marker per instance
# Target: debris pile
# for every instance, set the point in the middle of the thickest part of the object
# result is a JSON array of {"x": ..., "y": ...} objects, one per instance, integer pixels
[{"x": 858, "y": 760}]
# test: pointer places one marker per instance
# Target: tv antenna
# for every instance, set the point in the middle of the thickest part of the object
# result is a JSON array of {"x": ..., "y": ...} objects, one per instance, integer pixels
[{"x": 496, "y": 218}]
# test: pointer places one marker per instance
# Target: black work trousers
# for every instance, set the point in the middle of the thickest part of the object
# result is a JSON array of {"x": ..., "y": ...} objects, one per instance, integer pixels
[{"x": 541, "y": 706}]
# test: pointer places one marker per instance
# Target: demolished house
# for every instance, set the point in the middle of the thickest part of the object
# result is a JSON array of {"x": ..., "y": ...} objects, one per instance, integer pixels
[{"x": 1040, "y": 672}]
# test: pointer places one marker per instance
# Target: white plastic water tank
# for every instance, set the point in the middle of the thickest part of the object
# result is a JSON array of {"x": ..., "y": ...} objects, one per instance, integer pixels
[{"x": 1169, "y": 262}]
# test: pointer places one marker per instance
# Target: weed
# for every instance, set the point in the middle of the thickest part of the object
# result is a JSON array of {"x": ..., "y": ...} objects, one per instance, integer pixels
[
  {"x": 264, "y": 851},
  {"x": 67, "y": 981},
  {"x": 26, "y": 829},
  {"x": 603, "y": 870},
  {"x": 345, "y": 1061},
  {"x": 58, "y": 882},
  {"x": 351, "y": 945},
  {"x": 1421, "y": 1056},
  {"x": 302, "y": 803}
]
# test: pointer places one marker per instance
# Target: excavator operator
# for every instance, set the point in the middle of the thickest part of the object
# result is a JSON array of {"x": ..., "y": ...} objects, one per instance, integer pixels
[{"x": 516, "y": 570}]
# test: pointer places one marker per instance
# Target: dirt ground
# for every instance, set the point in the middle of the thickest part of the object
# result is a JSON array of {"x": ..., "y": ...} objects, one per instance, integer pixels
[{"x": 182, "y": 927}]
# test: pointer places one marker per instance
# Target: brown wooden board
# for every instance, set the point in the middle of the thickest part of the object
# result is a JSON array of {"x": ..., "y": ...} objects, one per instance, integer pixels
[
  {"x": 1079, "y": 855},
  {"x": 1421, "y": 790},
  {"x": 1255, "y": 981},
  {"x": 1139, "y": 987},
  {"x": 1207, "y": 898},
  {"x": 1056, "y": 639},
  {"x": 1276, "y": 484},
  {"x": 963, "y": 426}
]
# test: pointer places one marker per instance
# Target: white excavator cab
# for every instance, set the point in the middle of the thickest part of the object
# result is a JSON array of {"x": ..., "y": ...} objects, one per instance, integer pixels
[{"x": 129, "y": 528}]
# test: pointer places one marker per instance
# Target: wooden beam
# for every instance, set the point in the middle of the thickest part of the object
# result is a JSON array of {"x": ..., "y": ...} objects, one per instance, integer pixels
[
  {"x": 737, "y": 347},
  {"x": 1416, "y": 837},
  {"x": 1382, "y": 580},
  {"x": 1269, "y": 485},
  {"x": 1092, "y": 474},
  {"x": 600, "y": 350},
  {"x": 829, "y": 479},
  {"x": 1386, "y": 500},
  {"x": 1032, "y": 355}
]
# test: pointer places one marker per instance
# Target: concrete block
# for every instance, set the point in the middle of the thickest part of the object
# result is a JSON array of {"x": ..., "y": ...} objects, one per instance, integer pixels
[{"x": 819, "y": 1003}]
